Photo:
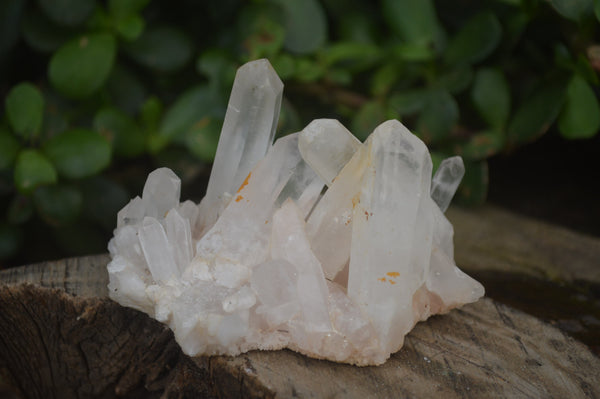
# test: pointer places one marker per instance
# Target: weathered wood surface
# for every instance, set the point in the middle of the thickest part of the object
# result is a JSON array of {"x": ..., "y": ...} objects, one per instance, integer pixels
[
  {"x": 492, "y": 239},
  {"x": 54, "y": 344}
]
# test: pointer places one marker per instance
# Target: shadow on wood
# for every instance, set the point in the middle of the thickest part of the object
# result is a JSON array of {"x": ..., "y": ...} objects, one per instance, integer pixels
[{"x": 62, "y": 338}]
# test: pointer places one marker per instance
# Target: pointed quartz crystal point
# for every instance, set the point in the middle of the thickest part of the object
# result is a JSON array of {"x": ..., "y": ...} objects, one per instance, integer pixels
[
  {"x": 247, "y": 134},
  {"x": 132, "y": 213},
  {"x": 157, "y": 250},
  {"x": 326, "y": 145},
  {"x": 161, "y": 193},
  {"x": 446, "y": 181},
  {"x": 179, "y": 235},
  {"x": 450, "y": 284},
  {"x": 390, "y": 251}
]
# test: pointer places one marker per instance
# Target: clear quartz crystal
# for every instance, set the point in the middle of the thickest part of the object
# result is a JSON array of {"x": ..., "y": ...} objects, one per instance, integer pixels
[
  {"x": 161, "y": 193},
  {"x": 132, "y": 213},
  {"x": 267, "y": 261},
  {"x": 326, "y": 145},
  {"x": 247, "y": 133},
  {"x": 241, "y": 234},
  {"x": 157, "y": 250},
  {"x": 179, "y": 235},
  {"x": 446, "y": 181},
  {"x": 329, "y": 226},
  {"x": 385, "y": 267},
  {"x": 290, "y": 243}
]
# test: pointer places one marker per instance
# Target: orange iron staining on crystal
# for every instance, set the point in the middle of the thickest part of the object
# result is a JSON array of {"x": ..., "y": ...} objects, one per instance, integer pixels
[
  {"x": 245, "y": 183},
  {"x": 238, "y": 198}
]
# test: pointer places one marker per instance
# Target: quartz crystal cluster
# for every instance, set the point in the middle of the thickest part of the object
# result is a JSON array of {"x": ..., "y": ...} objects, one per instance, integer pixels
[{"x": 319, "y": 243}]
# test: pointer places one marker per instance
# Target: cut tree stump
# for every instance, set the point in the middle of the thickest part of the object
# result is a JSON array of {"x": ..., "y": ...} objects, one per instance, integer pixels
[{"x": 61, "y": 337}]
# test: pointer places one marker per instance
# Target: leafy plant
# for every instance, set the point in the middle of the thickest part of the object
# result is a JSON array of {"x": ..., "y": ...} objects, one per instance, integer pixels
[{"x": 96, "y": 93}]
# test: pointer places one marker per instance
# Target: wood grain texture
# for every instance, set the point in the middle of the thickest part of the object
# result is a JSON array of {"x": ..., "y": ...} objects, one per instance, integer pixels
[
  {"x": 492, "y": 239},
  {"x": 68, "y": 340},
  {"x": 56, "y": 345}
]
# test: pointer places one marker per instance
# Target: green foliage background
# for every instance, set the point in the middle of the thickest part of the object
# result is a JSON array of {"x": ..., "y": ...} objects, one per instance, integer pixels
[{"x": 97, "y": 93}]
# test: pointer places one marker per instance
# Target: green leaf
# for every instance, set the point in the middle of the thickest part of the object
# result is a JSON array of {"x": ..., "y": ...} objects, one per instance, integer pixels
[
  {"x": 33, "y": 169},
  {"x": 68, "y": 12},
  {"x": 410, "y": 101},
  {"x": 189, "y": 109},
  {"x": 411, "y": 52},
  {"x": 130, "y": 27},
  {"x": 308, "y": 70},
  {"x": 56, "y": 115},
  {"x": 100, "y": 21},
  {"x": 78, "y": 153},
  {"x": 438, "y": 117},
  {"x": 266, "y": 40},
  {"x": 537, "y": 113},
  {"x": 436, "y": 160},
  {"x": 150, "y": 114},
  {"x": 124, "y": 8},
  {"x": 25, "y": 110},
  {"x": 299, "y": 38},
  {"x": 456, "y": 80},
  {"x": 203, "y": 137},
  {"x": 121, "y": 130},
  {"x": 352, "y": 56},
  {"x": 384, "y": 78},
  {"x": 580, "y": 117},
  {"x": 126, "y": 18},
  {"x": 163, "y": 49},
  {"x": 415, "y": 22},
  {"x": 20, "y": 209},
  {"x": 11, "y": 238},
  {"x": 585, "y": 69},
  {"x": 597, "y": 9},
  {"x": 477, "y": 39},
  {"x": 474, "y": 186},
  {"x": 491, "y": 96},
  {"x": 481, "y": 145},
  {"x": 9, "y": 148},
  {"x": 81, "y": 66},
  {"x": 58, "y": 204},
  {"x": 218, "y": 67},
  {"x": 284, "y": 65},
  {"x": 368, "y": 117},
  {"x": 357, "y": 27},
  {"x": 573, "y": 9}
]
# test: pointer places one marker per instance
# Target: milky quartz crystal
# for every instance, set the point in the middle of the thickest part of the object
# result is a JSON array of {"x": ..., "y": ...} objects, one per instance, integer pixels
[{"x": 319, "y": 243}]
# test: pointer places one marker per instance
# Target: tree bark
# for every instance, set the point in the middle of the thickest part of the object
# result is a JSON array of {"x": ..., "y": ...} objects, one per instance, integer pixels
[{"x": 61, "y": 337}]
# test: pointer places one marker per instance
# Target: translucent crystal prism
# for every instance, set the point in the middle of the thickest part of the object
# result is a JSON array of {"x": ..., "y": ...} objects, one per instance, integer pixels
[
  {"x": 161, "y": 193},
  {"x": 326, "y": 145},
  {"x": 387, "y": 263},
  {"x": 446, "y": 181},
  {"x": 247, "y": 134}
]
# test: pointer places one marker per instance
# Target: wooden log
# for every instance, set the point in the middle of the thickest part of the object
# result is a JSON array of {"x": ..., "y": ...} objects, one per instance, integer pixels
[
  {"x": 61, "y": 337},
  {"x": 492, "y": 239}
]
